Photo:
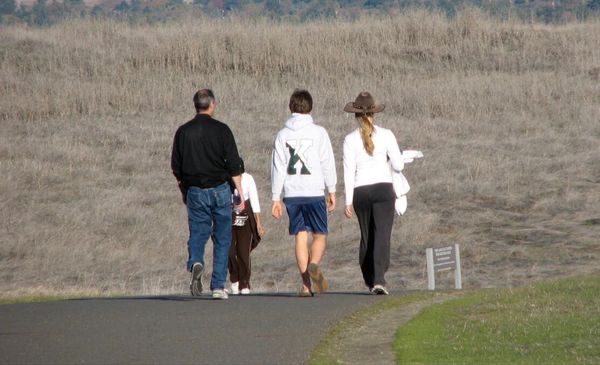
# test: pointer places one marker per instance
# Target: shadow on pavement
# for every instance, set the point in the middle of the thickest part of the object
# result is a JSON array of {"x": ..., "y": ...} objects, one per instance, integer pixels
[{"x": 207, "y": 296}]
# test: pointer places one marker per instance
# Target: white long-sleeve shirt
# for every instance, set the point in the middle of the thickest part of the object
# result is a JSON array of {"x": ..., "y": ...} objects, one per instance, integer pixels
[
  {"x": 302, "y": 163},
  {"x": 360, "y": 169},
  {"x": 250, "y": 192}
]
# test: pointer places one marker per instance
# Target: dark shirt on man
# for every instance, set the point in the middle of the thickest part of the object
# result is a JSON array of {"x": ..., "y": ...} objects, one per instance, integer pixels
[{"x": 204, "y": 153}]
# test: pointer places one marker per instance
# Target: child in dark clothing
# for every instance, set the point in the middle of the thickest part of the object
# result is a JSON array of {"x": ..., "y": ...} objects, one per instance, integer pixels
[{"x": 247, "y": 231}]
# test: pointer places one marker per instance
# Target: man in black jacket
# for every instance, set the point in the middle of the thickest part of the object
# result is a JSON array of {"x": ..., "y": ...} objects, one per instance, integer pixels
[{"x": 205, "y": 160}]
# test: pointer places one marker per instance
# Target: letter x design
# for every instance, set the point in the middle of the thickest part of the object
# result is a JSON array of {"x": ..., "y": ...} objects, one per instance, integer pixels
[{"x": 297, "y": 148}]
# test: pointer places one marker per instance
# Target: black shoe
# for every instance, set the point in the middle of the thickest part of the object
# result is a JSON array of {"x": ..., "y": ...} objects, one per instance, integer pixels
[{"x": 196, "y": 282}]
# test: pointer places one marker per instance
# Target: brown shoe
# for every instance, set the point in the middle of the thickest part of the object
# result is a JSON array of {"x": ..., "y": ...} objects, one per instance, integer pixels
[
  {"x": 303, "y": 293},
  {"x": 319, "y": 283}
]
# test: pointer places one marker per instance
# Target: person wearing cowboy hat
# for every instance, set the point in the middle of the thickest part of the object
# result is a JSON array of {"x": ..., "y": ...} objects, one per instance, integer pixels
[{"x": 368, "y": 153}]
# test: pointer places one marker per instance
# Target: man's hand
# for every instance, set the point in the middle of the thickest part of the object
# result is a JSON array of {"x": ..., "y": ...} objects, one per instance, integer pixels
[
  {"x": 348, "y": 211},
  {"x": 330, "y": 202},
  {"x": 240, "y": 207},
  {"x": 183, "y": 190},
  {"x": 277, "y": 210},
  {"x": 237, "y": 181}
]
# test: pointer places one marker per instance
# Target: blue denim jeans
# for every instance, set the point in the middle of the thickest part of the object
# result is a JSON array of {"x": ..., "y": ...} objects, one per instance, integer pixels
[{"x": 209, "y": 215}]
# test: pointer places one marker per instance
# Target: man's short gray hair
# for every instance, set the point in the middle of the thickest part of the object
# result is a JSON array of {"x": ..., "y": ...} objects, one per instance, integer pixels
[{"x": 203, "y": 98}]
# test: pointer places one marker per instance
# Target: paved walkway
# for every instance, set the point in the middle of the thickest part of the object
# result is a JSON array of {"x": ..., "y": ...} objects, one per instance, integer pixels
[{"x": 255, "y": 329}]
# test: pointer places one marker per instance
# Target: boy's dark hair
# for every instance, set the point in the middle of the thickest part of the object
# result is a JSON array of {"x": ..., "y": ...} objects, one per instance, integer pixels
[
  {"x": 203, "y": 98},
  {"x": 301, "y": 102}
]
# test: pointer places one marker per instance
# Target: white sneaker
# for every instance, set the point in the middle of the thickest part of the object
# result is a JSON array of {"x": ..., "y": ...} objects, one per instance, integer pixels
[
  {"x": 245, "y": 291},
  {"x": 235, "y": 288},
  {"x": 380, "y": 290},
  {"x": 219, "y": 294}
]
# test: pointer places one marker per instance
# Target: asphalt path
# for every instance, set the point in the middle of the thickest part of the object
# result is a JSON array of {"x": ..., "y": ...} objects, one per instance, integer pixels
[{"x": 252, "y": 329}]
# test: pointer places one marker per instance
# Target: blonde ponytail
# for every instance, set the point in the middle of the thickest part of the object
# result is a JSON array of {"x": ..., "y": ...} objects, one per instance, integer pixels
[{"x": 366, "y": 130}]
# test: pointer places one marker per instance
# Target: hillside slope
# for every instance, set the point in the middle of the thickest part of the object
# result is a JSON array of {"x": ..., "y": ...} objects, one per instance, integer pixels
[{"x": 505, "y": 113}]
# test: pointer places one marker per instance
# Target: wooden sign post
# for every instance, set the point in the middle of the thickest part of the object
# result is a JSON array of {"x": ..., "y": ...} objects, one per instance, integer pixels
[{"x": 443, "y": 259}]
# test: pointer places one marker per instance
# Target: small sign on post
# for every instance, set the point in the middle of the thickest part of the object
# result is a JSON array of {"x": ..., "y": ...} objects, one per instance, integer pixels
[{"x": 443, "y": 259}]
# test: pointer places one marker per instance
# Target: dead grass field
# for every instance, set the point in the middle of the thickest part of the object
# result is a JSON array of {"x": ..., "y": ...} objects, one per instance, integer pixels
[{"x": 507, "y": 116}]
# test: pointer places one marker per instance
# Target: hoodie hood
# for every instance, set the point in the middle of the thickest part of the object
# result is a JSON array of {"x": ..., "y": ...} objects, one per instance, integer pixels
[{"x": 298, "y": 121}]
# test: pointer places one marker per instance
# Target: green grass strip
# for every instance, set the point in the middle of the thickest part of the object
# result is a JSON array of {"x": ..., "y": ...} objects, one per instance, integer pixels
[
  {"x": 31, "y": 299},
  {"x": 548, "y": 323},
  {"x": 36, "y": 298}
]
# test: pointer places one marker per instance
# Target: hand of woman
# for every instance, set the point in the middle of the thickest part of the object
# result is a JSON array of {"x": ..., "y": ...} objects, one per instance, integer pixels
[{"x": 348, "y": 211}]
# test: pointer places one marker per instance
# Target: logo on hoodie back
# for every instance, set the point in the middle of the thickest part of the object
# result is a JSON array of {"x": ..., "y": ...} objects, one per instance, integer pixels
[{"x": 297, "y": 149}]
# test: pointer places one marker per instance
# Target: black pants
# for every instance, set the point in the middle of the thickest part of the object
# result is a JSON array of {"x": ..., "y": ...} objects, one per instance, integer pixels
[
  {"x": 374, "y": 207},
  {"x": 240, "y": 267}
]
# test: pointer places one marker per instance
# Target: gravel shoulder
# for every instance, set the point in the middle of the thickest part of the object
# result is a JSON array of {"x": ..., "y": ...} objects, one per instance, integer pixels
[{"x": 366, "y": 336}]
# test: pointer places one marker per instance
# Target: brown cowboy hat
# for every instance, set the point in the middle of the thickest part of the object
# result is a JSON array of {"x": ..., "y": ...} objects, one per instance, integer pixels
[{"x": 364, "y": 103}]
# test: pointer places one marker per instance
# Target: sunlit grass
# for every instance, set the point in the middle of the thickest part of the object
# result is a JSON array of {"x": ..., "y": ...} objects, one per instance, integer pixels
[{"x": 549, "y": 323}]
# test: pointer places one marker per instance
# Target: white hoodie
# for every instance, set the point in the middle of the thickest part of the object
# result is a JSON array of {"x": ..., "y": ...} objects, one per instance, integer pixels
[{"x": 302, "y": 163}]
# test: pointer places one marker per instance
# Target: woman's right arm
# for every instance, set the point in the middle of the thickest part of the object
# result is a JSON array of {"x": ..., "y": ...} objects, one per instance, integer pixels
[
  {"x": 349, "y": 158},
  {"x": 394, "y": 154}
]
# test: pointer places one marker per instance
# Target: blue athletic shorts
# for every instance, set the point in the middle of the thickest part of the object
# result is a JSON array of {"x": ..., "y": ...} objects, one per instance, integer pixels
[{"x": 307, "y": 214}]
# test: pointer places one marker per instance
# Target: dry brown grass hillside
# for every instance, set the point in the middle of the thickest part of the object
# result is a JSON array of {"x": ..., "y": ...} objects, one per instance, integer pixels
[{"x": 507, "y": 116}]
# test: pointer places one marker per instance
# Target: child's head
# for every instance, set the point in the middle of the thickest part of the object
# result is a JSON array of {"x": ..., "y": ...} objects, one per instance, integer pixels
[{"x": 301, "y": 102}]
